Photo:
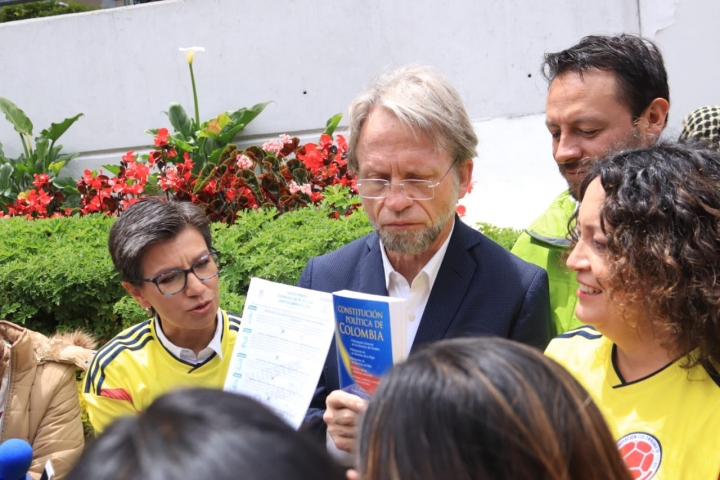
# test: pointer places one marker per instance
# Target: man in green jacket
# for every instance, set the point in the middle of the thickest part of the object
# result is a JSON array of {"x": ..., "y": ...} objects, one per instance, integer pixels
[{"x": 605, "y": 94}]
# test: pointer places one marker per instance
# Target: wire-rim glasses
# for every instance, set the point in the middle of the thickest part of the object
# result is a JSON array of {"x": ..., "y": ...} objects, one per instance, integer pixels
[
  {"x": 175, "y": 281},
  {"x": 412, "y": 189}
]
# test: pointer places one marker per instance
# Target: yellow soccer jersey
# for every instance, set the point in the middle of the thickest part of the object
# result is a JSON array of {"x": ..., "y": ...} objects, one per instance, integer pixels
[
  {"x": 134, "y": 368},
  {"x": 667, "y": 424}
]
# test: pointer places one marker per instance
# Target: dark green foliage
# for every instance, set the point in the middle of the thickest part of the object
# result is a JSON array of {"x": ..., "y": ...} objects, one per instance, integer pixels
[
  {"x": 57, "y": 274},
  {"x": 278, "y": 249},
  {"x": 50, "y": 8}
]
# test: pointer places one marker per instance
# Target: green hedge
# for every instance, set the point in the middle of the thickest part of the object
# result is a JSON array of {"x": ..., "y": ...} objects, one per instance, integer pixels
[
  {"x": 51, "y": 8},
  {"x": 57, "y": 274}
]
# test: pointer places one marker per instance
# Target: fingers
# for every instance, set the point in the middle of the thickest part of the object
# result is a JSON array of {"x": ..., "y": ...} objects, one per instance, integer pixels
[
  {"x": 339, "y": 400},
  {"x": 341, "y": 418}
]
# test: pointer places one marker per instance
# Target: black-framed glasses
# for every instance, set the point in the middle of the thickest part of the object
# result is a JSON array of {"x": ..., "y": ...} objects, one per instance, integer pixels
[
  {"x": 375, "y": 188},
  {"x": 174, "y": 281}
]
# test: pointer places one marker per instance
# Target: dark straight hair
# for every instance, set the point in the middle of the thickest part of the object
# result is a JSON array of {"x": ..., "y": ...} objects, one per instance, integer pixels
[
  {"x": 484, "y": 408},
  {"x": 204, "y": 434},
  {"x": 636, "y": 62}
]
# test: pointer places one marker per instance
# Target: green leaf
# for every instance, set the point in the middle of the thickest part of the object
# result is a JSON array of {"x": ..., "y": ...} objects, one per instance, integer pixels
[
  {"x": 42, "y": 152},
  {"x": 57, "y": 129},
  {"x": 223, "y": 120},
  {"x": 332, "y": 124},
  {"x": 114, "y": 169},
  {"x": 245, "y": 115},
  {"x": 179, "y": 119},
  {"x": 227, "y": 136},
  {"x": 16, "y": 117},
  {"x": 215, "y": 155},
  {"x": 2, "y": 154},
  {"x": 65, "y": 183},
  {"x": 65, "y": 157},
  {"x": 55, "y": 167},
  {"x": 182, "y": 145},
  {"x": 204, "y": 176},
  {"x": 6, "y": 171}
]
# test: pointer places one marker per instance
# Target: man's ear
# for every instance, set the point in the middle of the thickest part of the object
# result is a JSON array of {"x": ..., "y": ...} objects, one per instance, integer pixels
[
  {"x": 136, "y": 293},
  {"x": 466, "y": 170},
  {"x": 652, "y": 120}
]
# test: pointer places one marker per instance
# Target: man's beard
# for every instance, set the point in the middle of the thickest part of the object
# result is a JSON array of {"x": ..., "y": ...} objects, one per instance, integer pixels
[
  {"x": 633, "y": 140},
  {"x": 413, "y": 242},
  {"x": 574, "y": 184}
]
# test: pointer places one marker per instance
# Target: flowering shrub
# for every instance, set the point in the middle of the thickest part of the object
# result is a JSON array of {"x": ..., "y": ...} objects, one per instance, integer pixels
[
  {"x": 282, "y": 175},
  {"x": 38, "y": 165}
]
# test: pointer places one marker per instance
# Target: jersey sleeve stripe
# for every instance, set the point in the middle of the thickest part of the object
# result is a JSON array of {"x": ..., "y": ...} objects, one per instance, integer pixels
[
  {"x": 110, "y": 351},
  {"x": 117, "y": 342},
  {"x": 117, "y": 352}
]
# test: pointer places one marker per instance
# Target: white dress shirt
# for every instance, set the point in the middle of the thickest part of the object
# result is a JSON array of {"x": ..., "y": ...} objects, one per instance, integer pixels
[
  {"x": 187, "y": 355},
  {"x": 416, "y": 296}
]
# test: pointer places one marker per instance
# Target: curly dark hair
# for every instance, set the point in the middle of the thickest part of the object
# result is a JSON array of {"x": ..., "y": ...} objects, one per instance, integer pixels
[
  {"x": 661, "y": 215},
  {"x": 636, "y": 62}
]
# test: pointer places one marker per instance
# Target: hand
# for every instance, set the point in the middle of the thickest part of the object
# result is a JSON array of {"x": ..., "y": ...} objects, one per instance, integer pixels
[
  {"x": 341, "y": 418},
  {"x": 352, "y": 475}
]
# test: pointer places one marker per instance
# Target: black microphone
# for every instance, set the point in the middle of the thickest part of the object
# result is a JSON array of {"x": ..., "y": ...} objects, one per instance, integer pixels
[{"x": 15, "y": 459}]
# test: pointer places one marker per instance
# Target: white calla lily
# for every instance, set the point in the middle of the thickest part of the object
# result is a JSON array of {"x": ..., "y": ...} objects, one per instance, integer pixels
[{"x": 190, "y": 53}]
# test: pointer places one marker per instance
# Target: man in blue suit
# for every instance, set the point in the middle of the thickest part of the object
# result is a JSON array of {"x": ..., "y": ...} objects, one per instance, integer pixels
[{"x": 412, "y": 145}]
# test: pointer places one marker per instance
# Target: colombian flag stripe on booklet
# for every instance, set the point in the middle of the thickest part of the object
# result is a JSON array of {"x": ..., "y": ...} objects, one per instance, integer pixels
[{"x": 370, "y": 337}]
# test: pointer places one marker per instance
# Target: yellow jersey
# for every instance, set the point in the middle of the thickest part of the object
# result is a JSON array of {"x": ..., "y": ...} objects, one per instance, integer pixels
[
  {"x": 667, "y": 424},
  {"x": 134, "y": 368}
]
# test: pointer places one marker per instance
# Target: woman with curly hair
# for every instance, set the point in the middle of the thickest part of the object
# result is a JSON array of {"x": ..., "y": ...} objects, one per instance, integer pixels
[{"x": 647, "y": 256}]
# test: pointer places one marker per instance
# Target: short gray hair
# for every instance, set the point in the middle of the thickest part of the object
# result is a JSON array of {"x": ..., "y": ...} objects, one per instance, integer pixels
[
  {"x": 422, "y": 99},
  {"x": 147, "y": 222}
]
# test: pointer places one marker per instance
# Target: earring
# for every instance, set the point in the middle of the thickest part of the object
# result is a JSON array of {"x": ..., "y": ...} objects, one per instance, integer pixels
[{"x": 150, "y": 312}]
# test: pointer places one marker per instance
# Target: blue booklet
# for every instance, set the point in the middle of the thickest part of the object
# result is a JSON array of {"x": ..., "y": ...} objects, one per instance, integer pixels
[{"x": 370, "y": 338}]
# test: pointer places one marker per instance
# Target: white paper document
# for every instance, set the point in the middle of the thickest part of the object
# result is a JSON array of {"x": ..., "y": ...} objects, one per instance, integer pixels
[{"x": 281, "y": 347}]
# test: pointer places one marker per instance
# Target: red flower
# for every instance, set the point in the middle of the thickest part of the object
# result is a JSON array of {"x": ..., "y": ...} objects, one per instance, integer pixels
[
  {"x": 325, "y": 141},
  {"x": 312, "y": 158},
  {"x": 460, "y": 209},
  {"x": 129, "y": 157},
  {"x": 342, "y": 144},
  {"x": 138, "y": 171},
  {"x": 41, "y": 180},
  {"x": 154, "y": 156},
  {"x": 161, "y": 137}
]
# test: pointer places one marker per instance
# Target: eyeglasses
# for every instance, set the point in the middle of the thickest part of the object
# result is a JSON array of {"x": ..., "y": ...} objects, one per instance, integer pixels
[
  {"x": 174, "y": 281},
  {"x": 375, "y": 188}
]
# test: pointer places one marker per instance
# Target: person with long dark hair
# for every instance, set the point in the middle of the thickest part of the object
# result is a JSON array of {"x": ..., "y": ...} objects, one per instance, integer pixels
[{"x": 484, "y": 408}]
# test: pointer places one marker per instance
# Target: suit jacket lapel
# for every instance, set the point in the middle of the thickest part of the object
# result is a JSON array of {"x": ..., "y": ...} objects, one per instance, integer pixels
[
  {"x": 450, "y": 287},
  {"x": 371, "y": 274}
]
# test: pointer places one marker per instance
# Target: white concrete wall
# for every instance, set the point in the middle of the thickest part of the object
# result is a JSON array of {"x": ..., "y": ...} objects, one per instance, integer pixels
[{"x": 121, "y": 67}]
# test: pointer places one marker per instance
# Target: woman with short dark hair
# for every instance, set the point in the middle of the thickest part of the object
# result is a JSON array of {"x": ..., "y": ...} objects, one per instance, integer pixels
[
  {"x": 164, "y": 255},
  {"x": 647, "y": 257}
]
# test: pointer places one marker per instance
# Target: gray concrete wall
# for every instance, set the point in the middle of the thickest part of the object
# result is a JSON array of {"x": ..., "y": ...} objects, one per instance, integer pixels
[{"x": 121, "y": 67}]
